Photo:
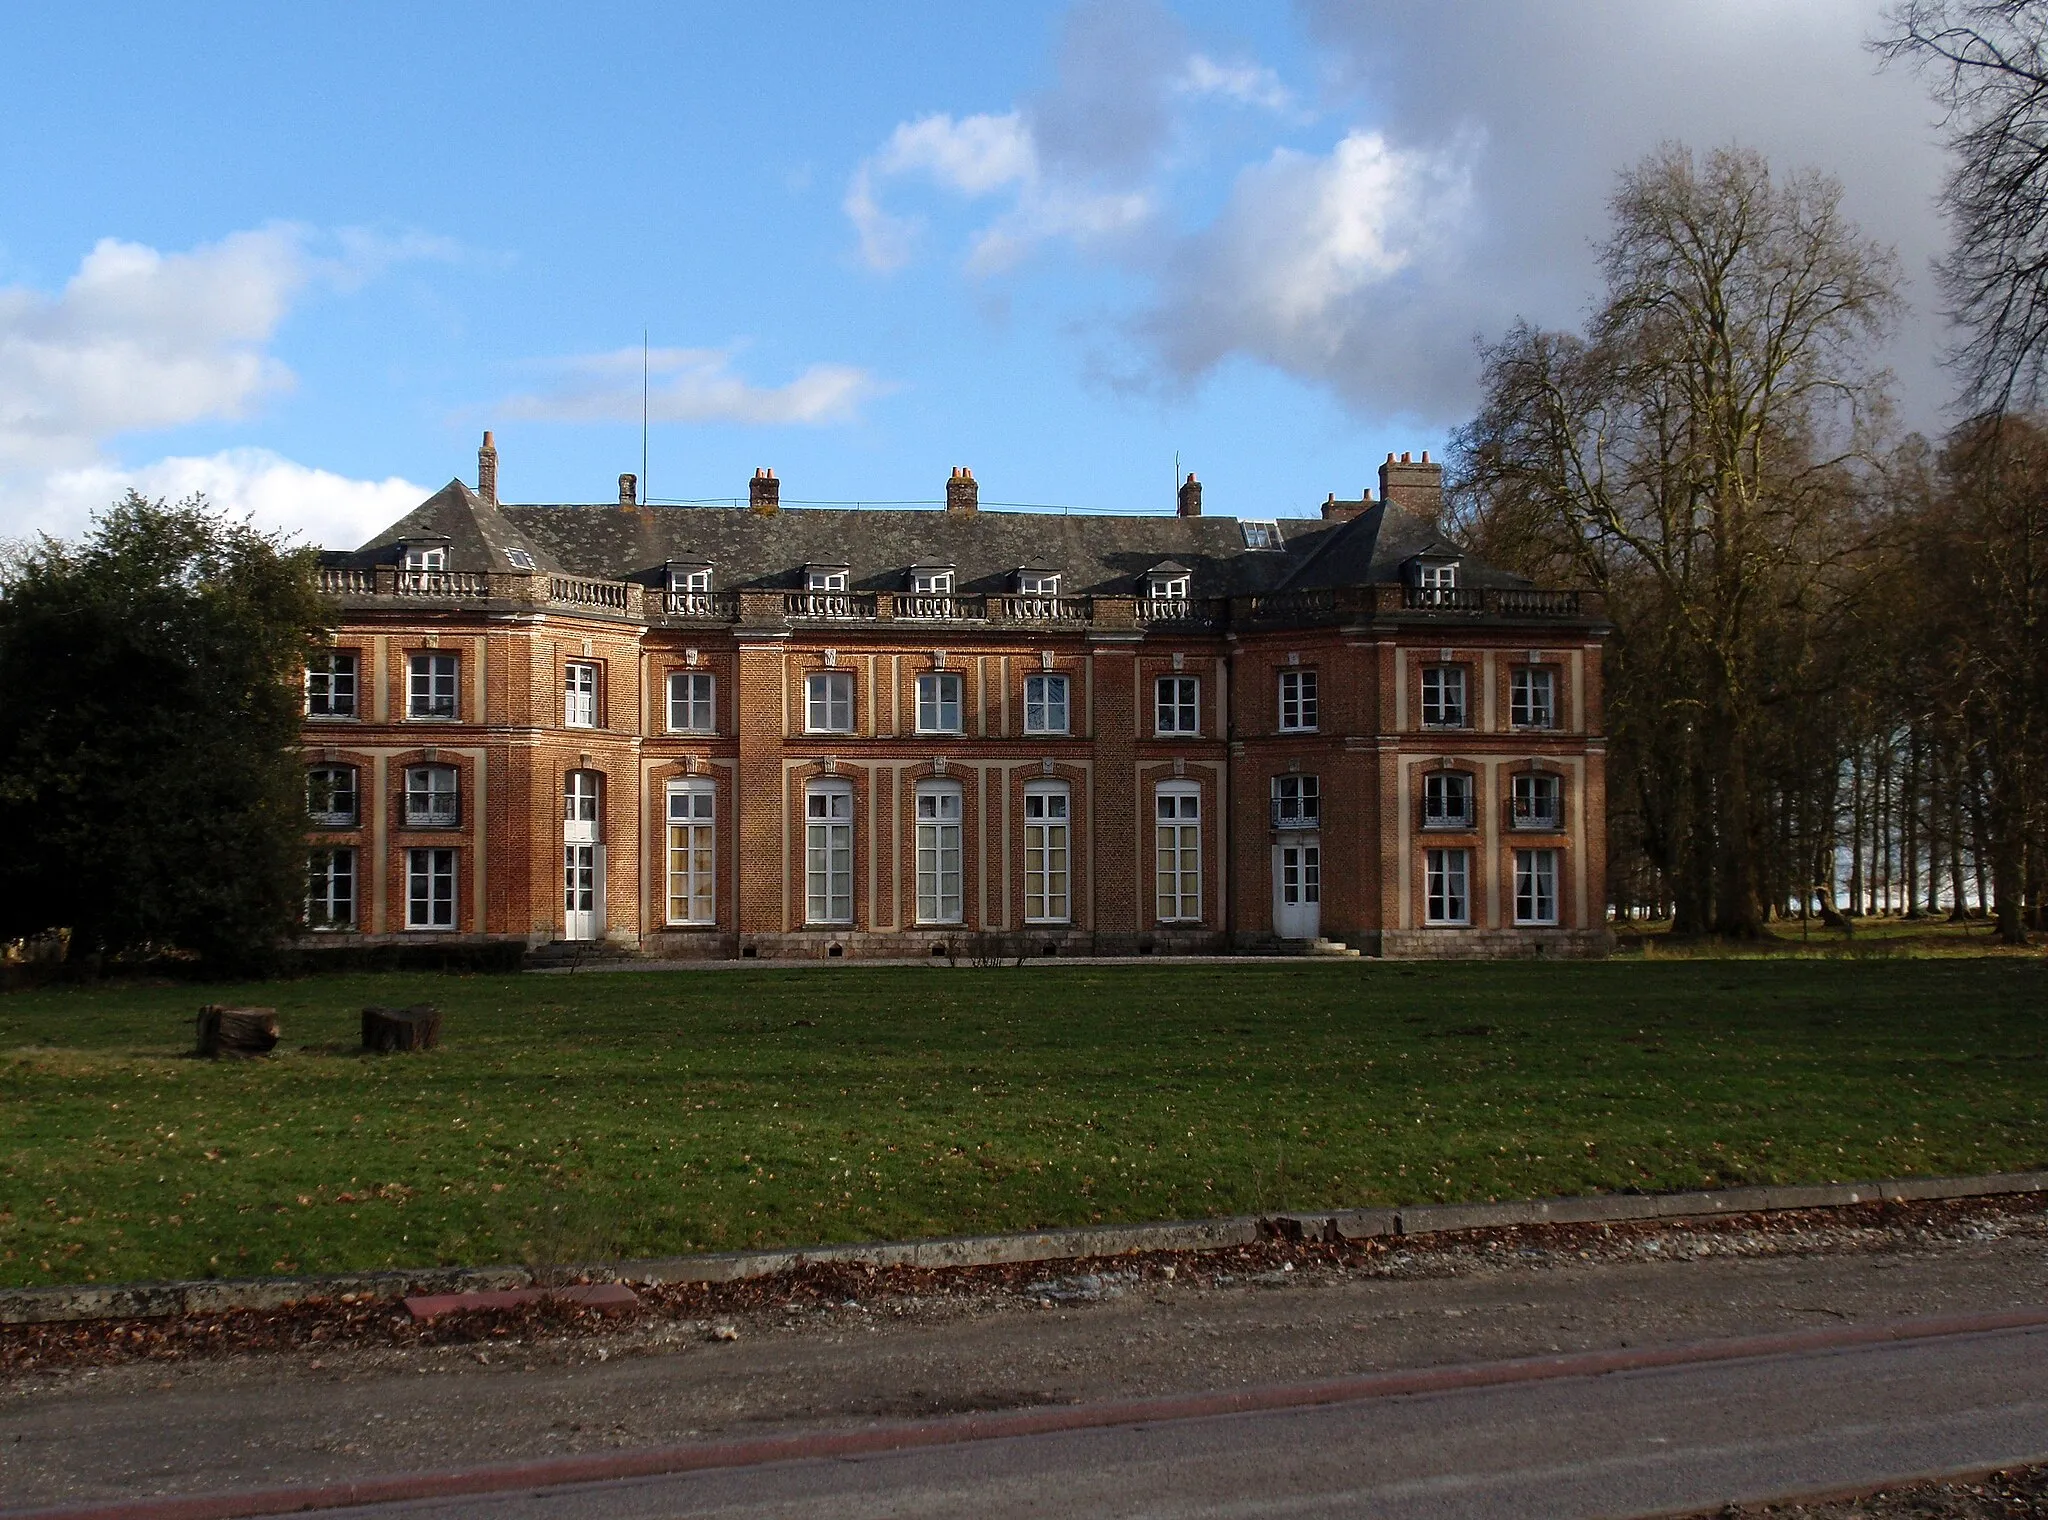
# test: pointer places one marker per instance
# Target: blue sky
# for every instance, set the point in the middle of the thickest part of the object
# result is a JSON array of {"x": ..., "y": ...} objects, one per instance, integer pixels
[{"x": 300, "y": 256}]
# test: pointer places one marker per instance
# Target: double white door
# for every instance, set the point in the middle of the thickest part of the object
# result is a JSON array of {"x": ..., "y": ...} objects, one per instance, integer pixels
[
  {"x": 582, "y": 859},
  {"x": 1298, "y": 888}
]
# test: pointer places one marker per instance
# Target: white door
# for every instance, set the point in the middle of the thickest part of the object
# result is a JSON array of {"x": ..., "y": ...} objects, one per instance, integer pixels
[
  {"x": 582, "y": 859},
  {"x": 1298, "y": 889}
]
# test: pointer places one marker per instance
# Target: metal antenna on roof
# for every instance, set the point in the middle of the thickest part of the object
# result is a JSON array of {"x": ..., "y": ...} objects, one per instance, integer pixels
[
  {"x": 646, "y": 490},
  {"x": 1176, "y": 479}
]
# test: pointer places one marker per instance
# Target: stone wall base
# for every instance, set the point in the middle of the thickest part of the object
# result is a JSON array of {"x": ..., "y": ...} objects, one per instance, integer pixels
[{"x": 1488, "y": 944}]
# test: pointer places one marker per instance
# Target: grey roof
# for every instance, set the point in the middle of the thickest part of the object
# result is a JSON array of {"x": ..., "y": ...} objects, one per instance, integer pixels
[
  {"x": 1374, "y": 547},
  {"x": 478, "y": 533},
  {"x": 1092, "y": 553}
]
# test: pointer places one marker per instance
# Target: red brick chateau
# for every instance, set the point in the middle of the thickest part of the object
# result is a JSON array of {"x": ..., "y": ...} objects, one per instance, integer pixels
[{"x": 801, "y": 733}]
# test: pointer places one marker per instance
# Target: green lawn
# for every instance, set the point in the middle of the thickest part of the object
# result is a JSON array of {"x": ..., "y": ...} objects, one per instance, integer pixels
[{"x": 639, "y": 1114}]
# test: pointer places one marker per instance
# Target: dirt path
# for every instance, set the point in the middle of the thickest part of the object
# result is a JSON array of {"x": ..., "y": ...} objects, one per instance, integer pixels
[{"x": 835, "y": 1349}]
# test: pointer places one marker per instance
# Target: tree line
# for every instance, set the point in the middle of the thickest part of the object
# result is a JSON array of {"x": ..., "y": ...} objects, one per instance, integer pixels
[{"x": 1828, "y": 677}]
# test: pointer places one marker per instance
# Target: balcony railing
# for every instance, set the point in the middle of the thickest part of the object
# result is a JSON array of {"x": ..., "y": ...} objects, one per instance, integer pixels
[
  {"x": 577, "y": 590},
  {"x": 702, "y": 606},
  {"x": 1542, "y": 815},
  {"x": 942, "y": 608},
  {"x": 463, "y": 583},
  {"x": 623, "y": 599},
  {"x": 1292, "y": 815},
  {"x": 1446, "y": 813},
  {"x": 1042, "y": 609},
  {"x": 839, "y": 606},
  {"x": 1444, "y": 598}
]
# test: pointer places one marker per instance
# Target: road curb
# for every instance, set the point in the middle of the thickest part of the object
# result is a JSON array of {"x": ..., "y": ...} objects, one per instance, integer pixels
[
  {"x": 664, "y": 1461},
  {"x": 161, "y": 1300}
]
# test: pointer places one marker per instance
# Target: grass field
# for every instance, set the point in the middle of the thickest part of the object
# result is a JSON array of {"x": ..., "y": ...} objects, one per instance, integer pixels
[{"x": 571, "y": 1117}]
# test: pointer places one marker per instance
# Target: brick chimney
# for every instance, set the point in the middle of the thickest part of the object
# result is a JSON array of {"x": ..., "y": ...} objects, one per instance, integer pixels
[
  {"x": 629, "y": 493},
  {"x": 962, "y": 493},
  {"x": 1190, "y": 496},
  {"x": 1343, "y": 511},
  {"x": 487, "y": 471},
  {"x": 1413, "y": 486},
  {"x": 764, "y": 492}
]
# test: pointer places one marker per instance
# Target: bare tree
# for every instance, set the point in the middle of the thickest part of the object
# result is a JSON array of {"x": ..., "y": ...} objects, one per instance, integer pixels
[
  {"x": 1987, "y": 62},
  {"x": 1691, "y": 454}
]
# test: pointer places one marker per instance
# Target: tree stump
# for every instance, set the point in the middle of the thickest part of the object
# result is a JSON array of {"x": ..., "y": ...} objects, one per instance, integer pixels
[
  {"x": 236, "y": 1031},
  {"x": 389, "y": 1029}
]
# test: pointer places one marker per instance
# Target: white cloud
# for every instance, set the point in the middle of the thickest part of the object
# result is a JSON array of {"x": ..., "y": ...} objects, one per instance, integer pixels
[
  {"x": 140, "y": 339},
  {"x": 695, "y": 385},
  {"x": 1316, "y": 263},
  {"x": 974, "y": 157},
  {"x": 1249, "y": 84},
  {"x": 324, "y": 509}
]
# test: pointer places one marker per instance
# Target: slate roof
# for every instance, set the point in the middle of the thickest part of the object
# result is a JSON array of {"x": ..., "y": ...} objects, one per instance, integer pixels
[{"x": 1100, "y": 554}]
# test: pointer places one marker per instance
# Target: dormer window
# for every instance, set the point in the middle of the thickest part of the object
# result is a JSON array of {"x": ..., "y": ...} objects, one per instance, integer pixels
[
  {"x": 825, "y": 578},
  {"x": 424, "y": 558},
  {"x": 1441, "y": 574},
  {"x": 690, "y": 578},
  {"x": 1038, "y": 583},
  {"x": 1260, "y": 535},
  {"x": 1168, "y": 585},
  {"x": 520, "y": 559},
  {"x": 931, "y": 580}
]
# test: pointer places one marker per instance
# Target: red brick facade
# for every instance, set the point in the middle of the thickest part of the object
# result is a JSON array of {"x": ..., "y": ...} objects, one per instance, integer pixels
[{"x": 1368, "y": 752}]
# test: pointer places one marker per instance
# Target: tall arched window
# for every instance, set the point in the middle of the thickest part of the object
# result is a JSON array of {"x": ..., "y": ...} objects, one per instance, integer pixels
[
  {"x": 692, "y": 807},
  {"x": 938, "y": 852},
  {"x": 828, "y": 853},
  {"x": 1047, "y": 853},
  {"x": 1179, "y": 852}
]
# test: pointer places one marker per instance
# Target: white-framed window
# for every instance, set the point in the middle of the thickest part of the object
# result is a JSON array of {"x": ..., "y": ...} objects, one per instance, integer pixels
[
  {"x": 519, "y": 559},
  {"x": 938, "y": 702},
  {"x": 423, "y": 558},
  {"x": 1177, "y": 704},
  {"x": 1297, "y": 802},
  {"x": 1536, "y": 801},
  {"x": 331, "y": 685},
  {"x": 692, "y": 852},
  {"x": 1261, "y": 535},
  {"x": 690, "y": 709},
  {"x": 931, "y": 582},
  {"x": 1443, "y": 696},
  {"x": 1047, "y": 852},
  {"x": 1298, "y": 708},
  {"x": 331, "y": 889},
  {"x": 579, "y": 801},
  {"x": 1177, "y": 852},
  {"x": 828, "y": 702},
  {"x": 1172, "y": 587},
  {"x": 938, "y": 852},
  {"x": 1532, "y": 697},
  {"x": 1535, "y": 886},
  {"x": 828, "y": 853},
  {"x": 579, "y": 695},
  {"x": 431, "y": 684},
  {"x": 691, "y": 580},
  {"x": 1438, "y": 575},
  {"x": 430, "y": 889},
  {"x": 1447, "y": 800},
  {"x": 331, "y": 796},
  {"x": 1038, "y": 583},
  {"x": 1448, "y": 886},
  {"x": 826, "y": 578},
  {"x": 433, "y": 797},
  {"x": 1045, "y": 704}
]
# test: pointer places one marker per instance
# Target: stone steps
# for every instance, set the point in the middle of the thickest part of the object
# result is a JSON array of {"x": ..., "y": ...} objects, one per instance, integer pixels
[
  {"x": 1331, "y": 947},
  {"x": 567, "y": 954}
]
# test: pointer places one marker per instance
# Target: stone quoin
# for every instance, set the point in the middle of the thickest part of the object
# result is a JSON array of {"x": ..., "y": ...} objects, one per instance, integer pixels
[{"x": 809, "y": 732}]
